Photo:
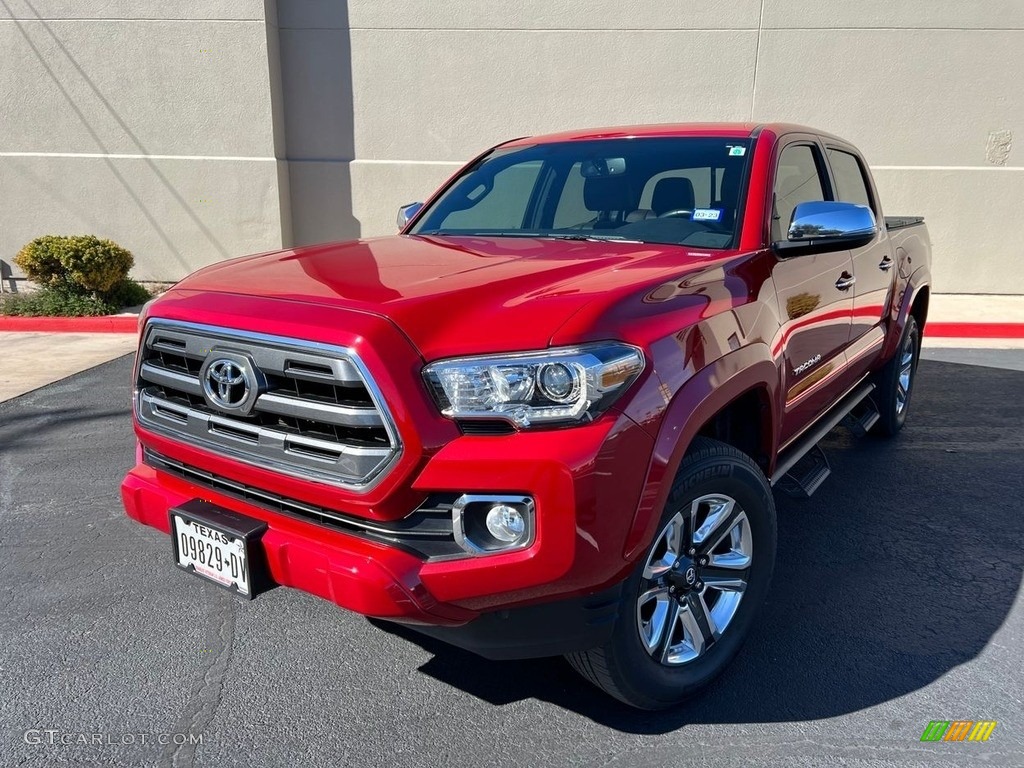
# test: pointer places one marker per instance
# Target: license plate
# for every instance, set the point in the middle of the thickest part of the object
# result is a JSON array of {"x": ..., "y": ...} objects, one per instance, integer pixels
[{"x": 218, "y": 545}]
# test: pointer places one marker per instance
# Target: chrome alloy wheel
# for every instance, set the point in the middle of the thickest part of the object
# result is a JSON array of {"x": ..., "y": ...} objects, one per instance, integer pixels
[
  {"x": 903, "y": 383},
  {"x": 694, "y": 579}
]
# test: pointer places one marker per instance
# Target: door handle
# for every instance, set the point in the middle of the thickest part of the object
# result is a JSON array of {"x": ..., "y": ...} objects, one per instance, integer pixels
[
  {"x": 886, "y": 264},
  {"x": 845, "y": 282}
]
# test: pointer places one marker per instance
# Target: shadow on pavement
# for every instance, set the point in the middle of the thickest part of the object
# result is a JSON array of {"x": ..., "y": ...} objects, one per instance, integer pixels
[{"x": 900, "y": 568}]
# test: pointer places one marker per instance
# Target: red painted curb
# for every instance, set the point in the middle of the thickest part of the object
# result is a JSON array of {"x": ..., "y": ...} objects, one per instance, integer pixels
[
  {"x": 975, "y": 330},
  {"x": 106, "y": 324}
]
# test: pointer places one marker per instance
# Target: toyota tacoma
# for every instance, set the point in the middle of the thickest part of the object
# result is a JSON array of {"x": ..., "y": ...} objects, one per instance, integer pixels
[{"x": 547, "y": 417}]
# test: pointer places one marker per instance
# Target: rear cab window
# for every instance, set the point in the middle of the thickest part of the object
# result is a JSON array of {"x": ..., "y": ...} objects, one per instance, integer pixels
[{"x": 848, "y": 174}]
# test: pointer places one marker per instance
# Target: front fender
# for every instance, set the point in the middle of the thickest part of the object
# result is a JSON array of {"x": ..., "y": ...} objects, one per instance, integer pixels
[{"x": 702, "y": 396}]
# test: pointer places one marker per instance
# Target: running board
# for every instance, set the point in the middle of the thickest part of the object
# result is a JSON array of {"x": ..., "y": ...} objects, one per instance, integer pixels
[
  {"x": 806, "y": 475},
  {"x": 862, "y": 418},
  {"x": 810, "y": 439}
]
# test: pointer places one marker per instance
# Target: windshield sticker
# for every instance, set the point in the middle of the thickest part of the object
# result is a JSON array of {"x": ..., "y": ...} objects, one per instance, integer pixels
[
  {"x": 707, "y": 214},
  {"x": 736, "y": 151}
]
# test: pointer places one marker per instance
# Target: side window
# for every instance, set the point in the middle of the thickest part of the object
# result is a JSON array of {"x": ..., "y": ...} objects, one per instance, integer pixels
[
  {"x": 849, "y": 178},
  {"x": 504, "y": 205},
  {"x": 797, "y": 180}
]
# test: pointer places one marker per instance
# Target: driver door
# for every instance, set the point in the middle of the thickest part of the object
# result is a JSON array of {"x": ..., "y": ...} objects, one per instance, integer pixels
[{"x": 815, "y": 308}]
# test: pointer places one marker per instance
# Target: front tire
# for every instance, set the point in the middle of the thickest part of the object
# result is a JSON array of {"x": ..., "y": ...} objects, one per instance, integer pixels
[{"x": 692, "y": 598}]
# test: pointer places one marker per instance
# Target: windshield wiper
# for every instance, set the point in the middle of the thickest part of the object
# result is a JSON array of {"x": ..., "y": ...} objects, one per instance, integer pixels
[
  {"x": 593, "y": 238},
  {"x": 463, "y": 233},
  {"x": 539, "y": 235}
]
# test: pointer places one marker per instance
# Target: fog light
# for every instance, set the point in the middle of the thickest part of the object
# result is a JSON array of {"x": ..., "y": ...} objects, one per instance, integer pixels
[
  {"x": 505, "y": 523},
  {"x": 484, "y": 524}
]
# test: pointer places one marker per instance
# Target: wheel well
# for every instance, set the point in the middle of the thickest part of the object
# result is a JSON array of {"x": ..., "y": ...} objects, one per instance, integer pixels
[
  {"x": 919, "y": 310},
  {"x": 745, "y": 424}
]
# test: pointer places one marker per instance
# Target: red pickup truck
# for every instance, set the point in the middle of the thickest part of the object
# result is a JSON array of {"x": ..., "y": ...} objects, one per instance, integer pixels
[{"x": 547, "y": 417}]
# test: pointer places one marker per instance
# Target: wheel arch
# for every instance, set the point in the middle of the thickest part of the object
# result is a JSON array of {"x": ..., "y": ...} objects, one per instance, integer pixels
[
  {"x": 914, "y": 302},
  {"x": 919, "y": 307},
  {"x": 716, "y": 399},
  {"x": 746, "y": 424}
]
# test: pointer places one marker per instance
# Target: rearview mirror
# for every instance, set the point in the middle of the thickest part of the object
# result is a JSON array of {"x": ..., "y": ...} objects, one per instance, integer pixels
[
  {"x": 599, "y": 167},
  {"x": 407, "y": 213}
]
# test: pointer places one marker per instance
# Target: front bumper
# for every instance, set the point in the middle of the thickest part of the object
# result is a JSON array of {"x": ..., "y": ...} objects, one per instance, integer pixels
[
  {"x": 360, "y": 575},
  {"x": 585, "y": 482}
]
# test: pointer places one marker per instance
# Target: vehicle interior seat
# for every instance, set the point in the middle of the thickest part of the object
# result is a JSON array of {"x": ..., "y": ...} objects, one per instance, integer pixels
[
  {"x": 610, "y": 198},
  {"x": 674, "y": 193},
  {"x": 670, "y": 194}
]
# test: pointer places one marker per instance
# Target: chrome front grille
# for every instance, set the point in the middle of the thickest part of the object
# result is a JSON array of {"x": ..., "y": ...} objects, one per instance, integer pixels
[
  {"x": 426, "y": 532},
  {"x": 314, "y": 411}
]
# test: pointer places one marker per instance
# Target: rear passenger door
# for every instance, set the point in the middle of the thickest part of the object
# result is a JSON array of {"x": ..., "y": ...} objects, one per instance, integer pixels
[
  {"x": 872, "y": 263},
  {"x": 815, "y": 311}
]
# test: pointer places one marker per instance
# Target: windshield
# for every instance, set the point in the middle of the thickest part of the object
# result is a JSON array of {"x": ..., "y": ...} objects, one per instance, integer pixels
[{"x": 682, "y": 191}]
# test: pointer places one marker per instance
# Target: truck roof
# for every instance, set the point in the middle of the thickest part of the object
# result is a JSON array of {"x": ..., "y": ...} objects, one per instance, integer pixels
[{"x": 725, "y": 130}]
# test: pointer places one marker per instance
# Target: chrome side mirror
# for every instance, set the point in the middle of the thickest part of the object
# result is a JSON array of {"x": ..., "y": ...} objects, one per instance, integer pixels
[
  {"x": 831, "y": 221},
  {"x": 821, "y": 226},
  {"x": 407, "y": 213}
]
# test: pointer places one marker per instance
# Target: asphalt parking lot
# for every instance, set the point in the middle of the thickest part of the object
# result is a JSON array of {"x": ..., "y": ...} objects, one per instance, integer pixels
[{"x": 896, "y": 602}]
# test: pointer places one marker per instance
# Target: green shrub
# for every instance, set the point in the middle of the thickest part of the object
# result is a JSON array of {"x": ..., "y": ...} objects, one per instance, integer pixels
[
  {"x": 127, "y": 293},
  {"x": 79, "y": 275},
  {"x": 81, "y": 263},
  {"x": 40, "y": 261},
  {"x": 53, "y": 301},
  {"x": 59, "y": 301}
]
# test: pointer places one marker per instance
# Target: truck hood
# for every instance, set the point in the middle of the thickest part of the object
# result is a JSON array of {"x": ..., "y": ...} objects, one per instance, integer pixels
[{"x": 456, "y": 296}]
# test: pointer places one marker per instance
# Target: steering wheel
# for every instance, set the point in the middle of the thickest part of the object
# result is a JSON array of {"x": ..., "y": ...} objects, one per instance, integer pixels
[{"x": 678, "y": 213}]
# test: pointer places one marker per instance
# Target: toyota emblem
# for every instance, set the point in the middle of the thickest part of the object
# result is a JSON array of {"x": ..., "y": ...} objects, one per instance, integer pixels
[{"x": 226, "y": 384}]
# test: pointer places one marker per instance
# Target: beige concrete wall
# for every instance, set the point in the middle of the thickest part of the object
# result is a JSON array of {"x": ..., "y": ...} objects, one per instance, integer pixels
[
  {"x": 236, "y": 125},
  {"x": 144, "y": 121}
]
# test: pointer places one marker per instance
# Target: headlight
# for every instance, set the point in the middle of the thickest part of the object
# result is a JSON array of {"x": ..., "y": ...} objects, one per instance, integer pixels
[{"x": 556, "y": 385}]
